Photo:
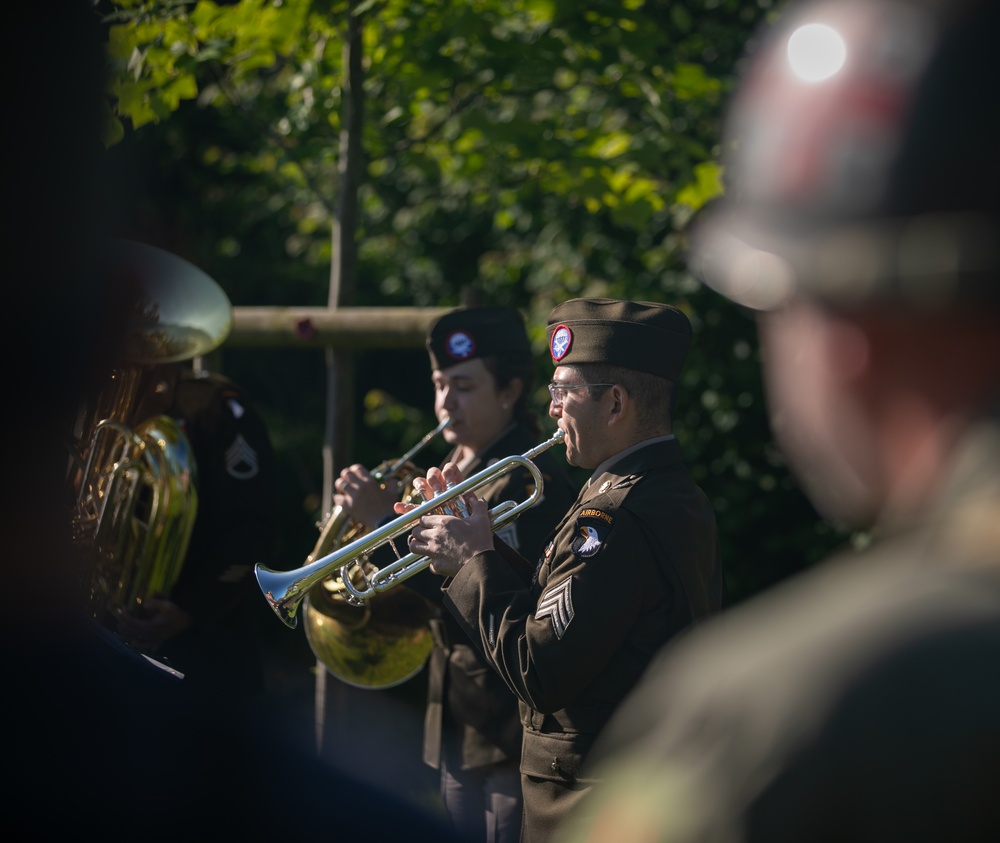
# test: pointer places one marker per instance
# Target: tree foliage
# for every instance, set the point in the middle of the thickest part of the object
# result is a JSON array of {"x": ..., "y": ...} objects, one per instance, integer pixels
[{"x": 516, "y": 152}]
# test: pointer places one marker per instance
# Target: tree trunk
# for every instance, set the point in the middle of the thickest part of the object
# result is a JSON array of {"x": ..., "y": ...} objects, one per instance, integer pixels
[
  {"x": 339, "y": 433},
  {"x": 338, "y": 440}
]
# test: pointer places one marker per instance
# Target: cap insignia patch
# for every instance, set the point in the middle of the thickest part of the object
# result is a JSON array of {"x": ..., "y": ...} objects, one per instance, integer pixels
[
  {"x": 460, "y": 345},
  {"x": 561, "y": 343}
]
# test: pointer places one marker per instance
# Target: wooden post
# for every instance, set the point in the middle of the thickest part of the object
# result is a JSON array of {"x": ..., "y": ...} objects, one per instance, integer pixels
[{"x": 321, "y": 327}]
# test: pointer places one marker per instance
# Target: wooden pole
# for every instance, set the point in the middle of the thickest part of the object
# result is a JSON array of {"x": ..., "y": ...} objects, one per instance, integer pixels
[{"x": 321, "y": 327}]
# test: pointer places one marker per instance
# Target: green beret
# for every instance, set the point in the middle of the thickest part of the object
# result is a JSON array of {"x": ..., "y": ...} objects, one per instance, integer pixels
[
  {"x": 471, "y": 332},
  {"x": 641, "y": 335}
]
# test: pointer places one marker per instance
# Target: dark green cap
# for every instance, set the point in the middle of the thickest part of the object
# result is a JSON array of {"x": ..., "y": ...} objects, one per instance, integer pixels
[
  {"x": 471, "y": 332},
  {"x": 641, "y": 335}
]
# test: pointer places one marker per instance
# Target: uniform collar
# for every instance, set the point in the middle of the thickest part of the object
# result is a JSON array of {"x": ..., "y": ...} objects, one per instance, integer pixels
[{"x": 613, "y": 460}]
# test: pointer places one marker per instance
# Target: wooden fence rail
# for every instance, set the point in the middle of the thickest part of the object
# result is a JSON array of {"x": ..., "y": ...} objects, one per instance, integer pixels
[{"x": 338, "y": 328}]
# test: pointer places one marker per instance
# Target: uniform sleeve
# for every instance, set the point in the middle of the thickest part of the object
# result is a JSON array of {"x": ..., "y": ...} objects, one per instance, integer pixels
[{"x": 550, "y": 641}]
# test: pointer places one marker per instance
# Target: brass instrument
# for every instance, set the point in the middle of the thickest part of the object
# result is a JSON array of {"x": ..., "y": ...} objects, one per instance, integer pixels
[
  {"x": 339, "y": 527},
  {"x": 285, "y": 590},
  {"x": 140, "y": 510},
  {"x": 135, "y": 482},
  {"x": 382, "y": 643}
]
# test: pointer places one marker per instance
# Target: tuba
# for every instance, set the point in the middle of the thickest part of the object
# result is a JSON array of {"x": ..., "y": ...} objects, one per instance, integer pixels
[
  {"x": 134, "y": 479},
  {"x": 382, "y": 643}
]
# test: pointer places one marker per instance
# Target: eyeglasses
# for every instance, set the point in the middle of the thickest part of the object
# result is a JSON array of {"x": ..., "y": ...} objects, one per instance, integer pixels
[{"x": 558, "y": 390}]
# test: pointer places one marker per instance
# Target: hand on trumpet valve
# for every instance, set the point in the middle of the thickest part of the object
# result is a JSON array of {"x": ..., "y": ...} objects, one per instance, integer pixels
[
  {"x": 448, "y": 539},
  {"x": 364, "y": 497}
]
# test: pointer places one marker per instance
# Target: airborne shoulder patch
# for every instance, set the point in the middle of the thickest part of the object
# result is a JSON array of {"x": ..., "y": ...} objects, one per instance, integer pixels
[{"x": 592, "y": 527}]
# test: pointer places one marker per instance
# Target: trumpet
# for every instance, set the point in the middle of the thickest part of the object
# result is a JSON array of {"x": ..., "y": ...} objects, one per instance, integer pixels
[{"x": 285, "y": 590}]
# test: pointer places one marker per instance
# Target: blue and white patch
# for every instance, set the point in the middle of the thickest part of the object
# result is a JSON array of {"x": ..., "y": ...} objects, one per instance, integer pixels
[
  {"x": 561, "y": 342},
  {"x": 592, "y": 526},
  {"x": 241, "y": 459},
  {"x": 557, "y": 603},
  {"x": 460, "y": 345}
]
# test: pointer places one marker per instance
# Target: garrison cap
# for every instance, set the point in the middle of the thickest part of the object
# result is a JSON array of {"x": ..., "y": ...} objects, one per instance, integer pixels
[
  {"x": 641, "y": 335},
  {"x": 470, "y": 332}
]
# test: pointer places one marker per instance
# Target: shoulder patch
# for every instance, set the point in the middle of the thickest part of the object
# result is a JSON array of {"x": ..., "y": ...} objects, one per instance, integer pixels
[
  {"x": 592, "y": 527},
  {"x": 557, "y": 603}
]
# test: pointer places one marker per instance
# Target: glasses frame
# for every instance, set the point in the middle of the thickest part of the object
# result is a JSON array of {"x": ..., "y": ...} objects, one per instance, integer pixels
[{"x": 557, "y": 389}]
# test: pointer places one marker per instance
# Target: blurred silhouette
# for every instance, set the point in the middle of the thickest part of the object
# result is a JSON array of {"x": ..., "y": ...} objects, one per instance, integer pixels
[
  {"x": 857, "y": 702},
  {"x": 101, "y": 741},
  {"x": 207, "y": 627}
]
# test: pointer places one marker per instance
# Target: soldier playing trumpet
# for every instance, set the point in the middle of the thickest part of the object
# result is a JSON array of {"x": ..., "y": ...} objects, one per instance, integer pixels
[
  {"x": 633, "y": 562},
  {"x": 483, "y": 375}
]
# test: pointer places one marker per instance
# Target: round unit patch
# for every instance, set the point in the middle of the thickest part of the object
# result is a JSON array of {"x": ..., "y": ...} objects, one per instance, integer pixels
[
  {"x": 561, "y": 342},
  {"x": 460, "y": 345}
]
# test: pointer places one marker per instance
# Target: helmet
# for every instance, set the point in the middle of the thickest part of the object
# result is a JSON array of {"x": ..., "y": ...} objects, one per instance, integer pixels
[{"x": 862, "y": 156}]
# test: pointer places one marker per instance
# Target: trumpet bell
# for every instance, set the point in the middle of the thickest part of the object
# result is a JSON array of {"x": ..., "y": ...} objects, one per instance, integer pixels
[{"x": 379, "y": 645}]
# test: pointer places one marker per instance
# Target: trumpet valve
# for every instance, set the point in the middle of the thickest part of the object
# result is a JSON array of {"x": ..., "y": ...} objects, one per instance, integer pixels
[{"x": 457, "y": 506}]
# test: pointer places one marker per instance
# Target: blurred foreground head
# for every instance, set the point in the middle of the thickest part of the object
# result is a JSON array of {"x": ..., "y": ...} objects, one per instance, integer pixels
[
  {"x": 864, "y": 166},
  {"x": 862, "y": 222}
]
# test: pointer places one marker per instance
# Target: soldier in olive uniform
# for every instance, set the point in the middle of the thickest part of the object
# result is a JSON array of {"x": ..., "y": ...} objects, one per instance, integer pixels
[
  {"x": 859, "y": 701},
  {"x": 483, "y": 371},
  {"x": 633, "y": 562}
]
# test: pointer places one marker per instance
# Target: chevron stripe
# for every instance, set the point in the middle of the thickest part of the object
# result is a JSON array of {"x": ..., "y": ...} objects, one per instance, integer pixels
[{"x": 557, "y": 603}]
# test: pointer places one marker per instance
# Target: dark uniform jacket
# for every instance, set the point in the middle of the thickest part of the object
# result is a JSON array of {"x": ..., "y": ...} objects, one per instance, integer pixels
[
  {"x": 235, "y": 528},
  {"x": 858, "y": 701},
  {"x": 471, "y": 713},
  {"x": 634, "y": 561}
]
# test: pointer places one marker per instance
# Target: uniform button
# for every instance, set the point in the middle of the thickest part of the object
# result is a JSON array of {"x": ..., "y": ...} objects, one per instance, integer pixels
[{"x": 556, "y": 766}]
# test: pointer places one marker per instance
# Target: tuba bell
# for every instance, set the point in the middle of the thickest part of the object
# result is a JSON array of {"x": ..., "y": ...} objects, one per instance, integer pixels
[
  {"x": 384, "y": 642},
  {"x": 134, "y": 478}
]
